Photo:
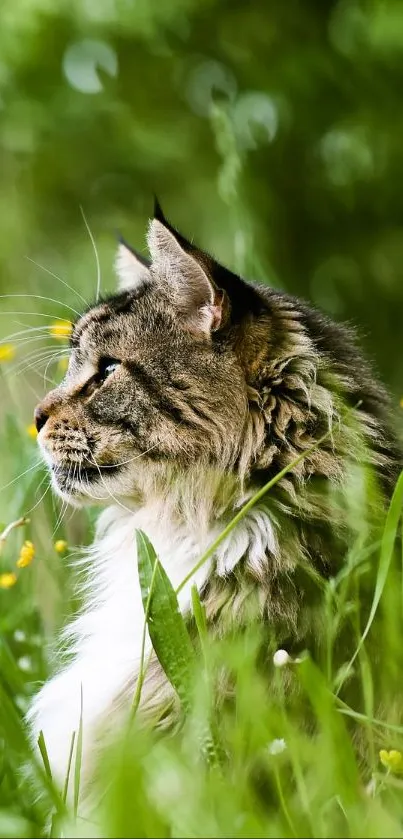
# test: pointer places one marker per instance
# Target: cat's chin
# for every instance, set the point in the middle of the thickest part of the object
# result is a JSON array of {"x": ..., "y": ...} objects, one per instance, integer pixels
[
  {"x": 69, "y": 497},
  {"x": 89, "y": 488},
  {"x": 94, "y": 487}
]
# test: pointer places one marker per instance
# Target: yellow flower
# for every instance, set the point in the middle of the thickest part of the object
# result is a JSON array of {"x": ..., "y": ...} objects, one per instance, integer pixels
[
  {"x": 401, "y": 402},
  {"x": 62, "y": 365},
  {"x": 7, "y": 580},
  {"x": 60, "y": 546},
  {"x": 61, "y": 329},
  {"x": 27, "y": 554},
  {"x": 7, "y": 352},
  {"x": 392, "y": 760},
  {"x": 31, "y": 431}
]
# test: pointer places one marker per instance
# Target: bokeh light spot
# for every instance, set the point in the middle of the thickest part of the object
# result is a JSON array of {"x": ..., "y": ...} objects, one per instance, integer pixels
[
  {"x": 255, "y": 117},
  {"x": 82, "y": 61},
  {"x": 208, "y": 82}
]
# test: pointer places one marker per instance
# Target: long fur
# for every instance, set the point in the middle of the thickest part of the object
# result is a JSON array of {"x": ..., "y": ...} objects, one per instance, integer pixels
[{"x": 185, "y": 394}]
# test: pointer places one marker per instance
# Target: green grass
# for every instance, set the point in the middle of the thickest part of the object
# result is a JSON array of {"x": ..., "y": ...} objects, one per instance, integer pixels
[{"x": 282, "y": 757}]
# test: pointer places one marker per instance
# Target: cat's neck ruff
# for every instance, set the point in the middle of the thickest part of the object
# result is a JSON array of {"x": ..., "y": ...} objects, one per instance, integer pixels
[
  {"x": 179, "y": 543},
  {"x": 113, "y": 612}
]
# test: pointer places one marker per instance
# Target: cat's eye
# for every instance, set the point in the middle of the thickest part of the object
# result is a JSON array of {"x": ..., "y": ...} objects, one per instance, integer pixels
[{"x": 106, "y": 367}]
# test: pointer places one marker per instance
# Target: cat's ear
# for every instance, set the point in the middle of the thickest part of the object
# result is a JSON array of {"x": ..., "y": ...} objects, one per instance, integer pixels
[
  {"x": 132, "y": 269},
  {"x": 199, "y": 303}
]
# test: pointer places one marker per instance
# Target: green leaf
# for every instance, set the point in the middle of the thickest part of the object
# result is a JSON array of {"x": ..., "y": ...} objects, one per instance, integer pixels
[{"x": 168, "y": 632}]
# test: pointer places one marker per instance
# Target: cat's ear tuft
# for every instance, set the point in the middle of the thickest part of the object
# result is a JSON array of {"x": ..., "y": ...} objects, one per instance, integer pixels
[
  {"x": 132, "y": 269},
  {"x": 200, "y": 305}
]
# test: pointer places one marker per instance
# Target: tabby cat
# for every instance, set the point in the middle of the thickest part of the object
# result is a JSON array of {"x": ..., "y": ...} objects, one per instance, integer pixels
[{"x": 186, "y": 391}]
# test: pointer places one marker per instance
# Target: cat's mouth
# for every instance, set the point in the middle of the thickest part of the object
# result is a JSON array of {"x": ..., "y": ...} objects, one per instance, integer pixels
[{"x": 73, "y": 477}]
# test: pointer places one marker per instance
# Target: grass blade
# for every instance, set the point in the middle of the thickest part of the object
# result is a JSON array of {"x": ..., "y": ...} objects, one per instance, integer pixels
[
  {"x": 79, "y": 756},
  {"x": 44, "y": 754},
  {"x": 386, "y": 554},
  {"x": 336, "y": 741},
  {"x": 66, "y": 782},
  {"x": 199, "y": 613},
  {"x": 167, "y": 629}
]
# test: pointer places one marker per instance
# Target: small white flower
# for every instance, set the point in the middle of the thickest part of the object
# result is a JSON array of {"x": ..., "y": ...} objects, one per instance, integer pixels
[
  {"x": 25, "y": 663},
  {"x": 281, "y": 658},
  {"x": 19, "y": 636},
  {"x": 276, "y": 747}
]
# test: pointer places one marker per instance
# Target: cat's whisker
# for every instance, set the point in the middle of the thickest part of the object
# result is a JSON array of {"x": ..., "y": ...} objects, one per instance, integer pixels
[
  {"x": 130, "y": 459},
  {"x": 34, "y": 372},
  {"x": 56, "y": 277},
  {"x": 30, "y": 357},
  {"x": 36, "y": 354},
  {"x": 33, "y": 365},
  {"x": 45, "y": 326},
  {"x": 28, "y": 384},
  {"x": 21, "y": 475},
  {"x": 56, "y": 357},
  {"x": 42, "y": 297},
  {"x": 26, "y": 352},
  {"x": 24, "y": 335},
  {"x": 64, "y": 505},
  {"x": 82, "y": 487},
  {"x": 116, "y": 500},
  {"x": 98, "y": 267},
  {"x": 31, "y": 510},
  {"x": 51, "y": 382},
  {"x": 63, "y": 521},
  {"x": 32, "y": 314},
  {"x": 70, "y": 516},
  {"x": 59, "y": 518},
  {"x": 11, "y": 373},
  {"x": 41, "y": 482}
]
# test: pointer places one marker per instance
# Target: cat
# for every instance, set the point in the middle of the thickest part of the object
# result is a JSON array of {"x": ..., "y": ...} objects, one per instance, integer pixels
[{"x": 186, "y": 391}]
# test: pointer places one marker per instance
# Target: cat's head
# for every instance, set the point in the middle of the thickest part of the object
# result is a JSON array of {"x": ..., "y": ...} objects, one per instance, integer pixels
[{"x": 157, "y": 381}]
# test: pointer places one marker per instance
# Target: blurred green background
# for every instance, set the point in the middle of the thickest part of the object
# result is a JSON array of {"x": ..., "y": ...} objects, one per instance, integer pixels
[{"x": 270, "y": 131}]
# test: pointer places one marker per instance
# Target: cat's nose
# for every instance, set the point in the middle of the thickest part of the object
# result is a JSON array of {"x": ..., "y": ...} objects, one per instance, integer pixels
[{"x": 40, "y": 417}]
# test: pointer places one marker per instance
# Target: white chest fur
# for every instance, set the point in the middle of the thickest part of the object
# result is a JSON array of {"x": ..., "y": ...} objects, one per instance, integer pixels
[{"x": 105, "y": 640}]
